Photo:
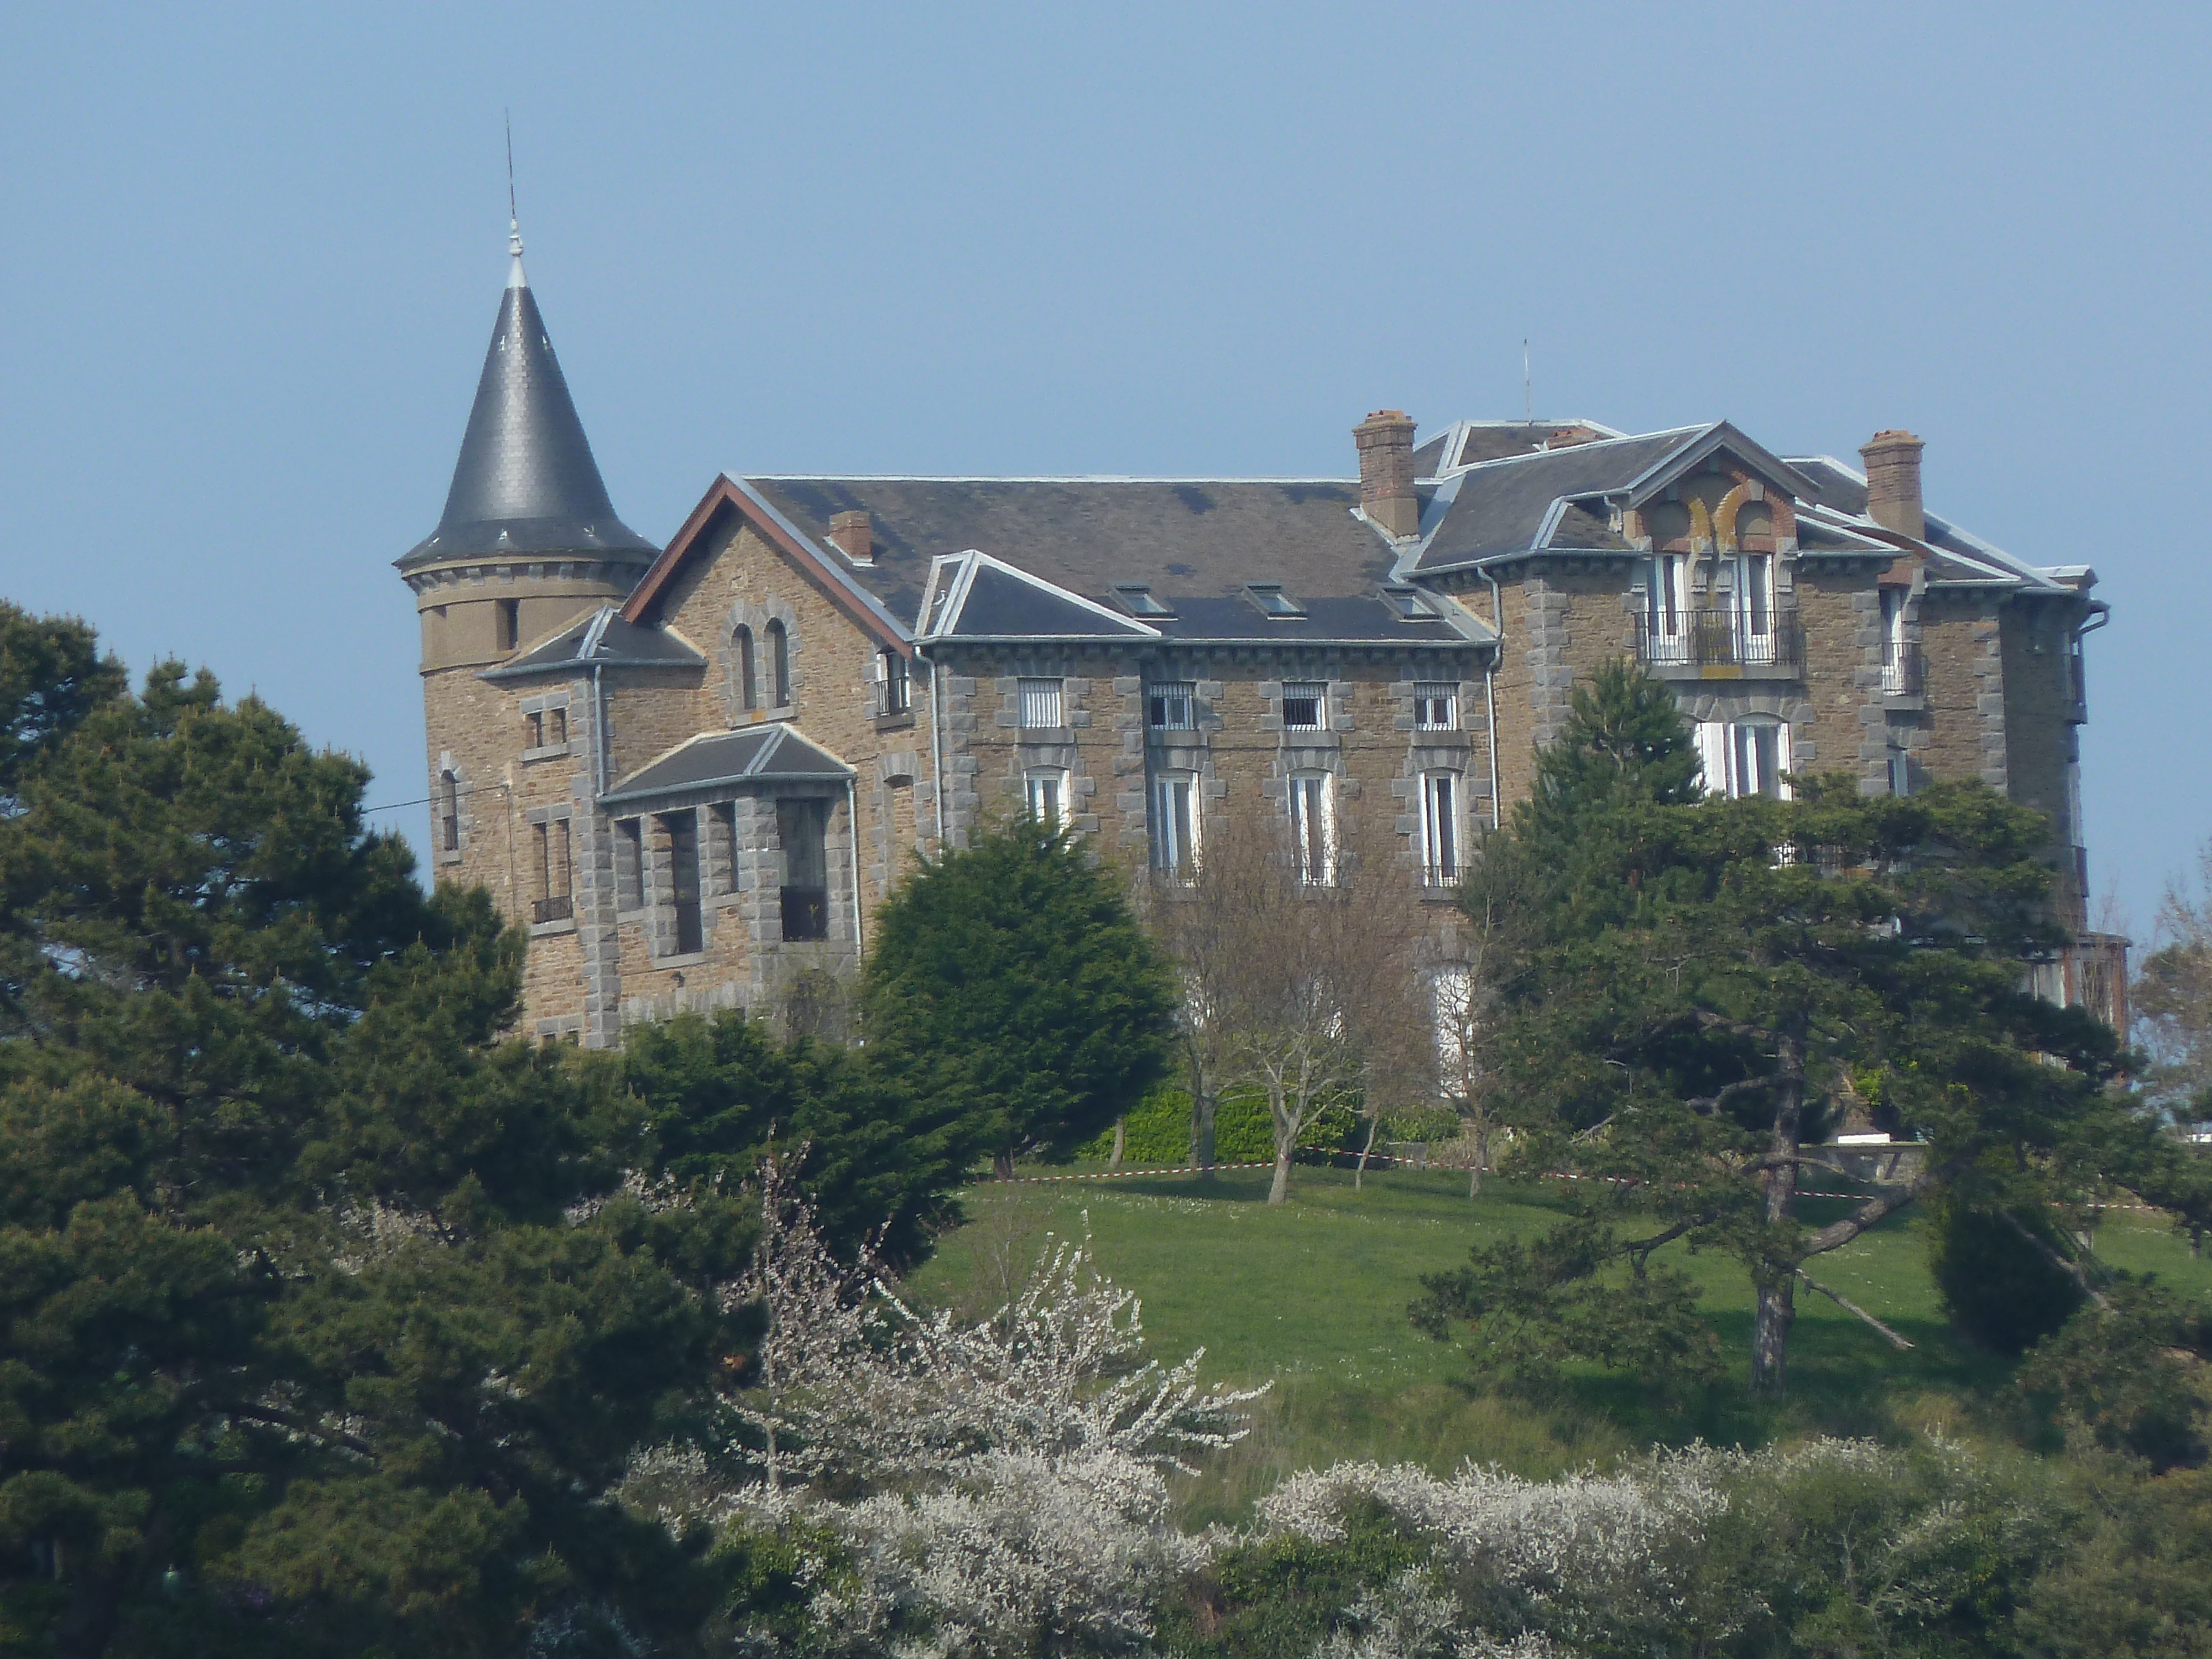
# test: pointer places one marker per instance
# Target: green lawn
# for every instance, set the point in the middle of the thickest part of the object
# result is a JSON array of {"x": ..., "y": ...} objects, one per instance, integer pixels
[{"x": 1311, "y": 1296}]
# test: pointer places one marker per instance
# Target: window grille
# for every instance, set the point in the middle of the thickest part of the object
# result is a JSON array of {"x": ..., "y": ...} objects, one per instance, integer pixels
[
  {"x": 1305, "y": 706},
  {"x": 1440, "y": 807},
  {"x": 1169, "y": 706},
  {"x": 1040, "y": 705},
  {"x": 1313, "y": 828},
  {"x": 1174, "y": 823},
  {"x": 1436, "y": 708}
]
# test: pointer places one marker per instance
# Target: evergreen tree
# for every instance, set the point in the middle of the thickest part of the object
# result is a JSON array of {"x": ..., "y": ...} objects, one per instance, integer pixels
[
  {"x": 1011, "y": 980},
  {"x": 1705, "y": 987}
]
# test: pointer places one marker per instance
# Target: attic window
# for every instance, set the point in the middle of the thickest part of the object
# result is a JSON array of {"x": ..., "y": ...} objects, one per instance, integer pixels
[
  {"x": 1273, "y": 601},
  {"x": 1408, "y": 605},
  {"x": 1140, "y": 601}
]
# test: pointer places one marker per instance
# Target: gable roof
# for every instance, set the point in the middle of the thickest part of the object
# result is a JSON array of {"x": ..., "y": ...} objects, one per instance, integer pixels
[
  {"x": 773, "y": 753},
  {"x": 1512, "y": 505},
  {"x": 974, "y": 596}
]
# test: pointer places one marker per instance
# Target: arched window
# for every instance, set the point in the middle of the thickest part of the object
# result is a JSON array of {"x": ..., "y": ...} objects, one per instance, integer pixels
[
  {"x": 748, "y": 670},
  {"x": 779, "y": 663},
  {"x": 449, "y": 812}
]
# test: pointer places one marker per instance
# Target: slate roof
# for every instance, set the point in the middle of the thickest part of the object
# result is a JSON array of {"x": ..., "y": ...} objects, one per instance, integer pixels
[
  {"x": 525, "y": 482},
  {"x": 600, "y": 637},
  {"x": 773, "y": 753},
  {"x": 1513, "y": 504},
  {"x": 1188, "y": 539},
  {"x": 1963, "y": 559}
]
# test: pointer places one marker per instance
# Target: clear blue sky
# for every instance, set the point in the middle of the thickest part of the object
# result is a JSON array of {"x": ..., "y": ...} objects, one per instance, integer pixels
[{"x": 249, "y": 260}]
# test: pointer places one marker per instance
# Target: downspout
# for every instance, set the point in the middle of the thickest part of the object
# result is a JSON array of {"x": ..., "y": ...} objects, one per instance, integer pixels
[
  {"x": 598, "y": 736},
  {"x": 853, "y": 847},
  {"x": 1490, "y": 694},
  {"x": 936, "y": 746}
]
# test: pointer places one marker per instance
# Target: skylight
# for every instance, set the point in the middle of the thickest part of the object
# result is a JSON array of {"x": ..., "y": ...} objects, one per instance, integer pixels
[
  {"x": 1139, "y": 600},
  {"x": 1273, "y": 601},
  {"x": 1408, "y": 604}
]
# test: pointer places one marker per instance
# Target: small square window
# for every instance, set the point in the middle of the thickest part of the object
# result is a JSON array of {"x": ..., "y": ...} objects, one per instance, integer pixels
[
  {"x": 1408, "y": 605},
  {"x": 1045, "y": 795},
  {"x": 1169, "y": 706},
  {"x": 1140, "y": 601},
  {"x": 1435, "y": 707},
  {"x": 1040, "y": 705},
  {"x": 533, "y": 731},
  {"x": 1273, "y": 601},
  {"x": 556, "y": 725},
  {"x": 1305, "y": 706}
]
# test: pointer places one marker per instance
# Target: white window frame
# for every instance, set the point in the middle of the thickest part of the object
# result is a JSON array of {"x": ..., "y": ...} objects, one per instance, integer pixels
[
  {"x": 1044, "y": 794},
  {"x": 1161, "y": 710},
  {"x": 1667, "y": 608},
  {"x": 1043, "y": 705},
  {"x": 894, "y": 683},
  {"x": 1435, "y": 706},
  {"x": 1310, "y": 798},
  {"x": 1174, "y": 824},
  {"x": 1298, "y": 690},
  {"x": 1754, "y": 607},
  {"x": 1729, "y": 751},
  {"x": 1893, "y": 639},
  {"x": 1443, "y": 817}
]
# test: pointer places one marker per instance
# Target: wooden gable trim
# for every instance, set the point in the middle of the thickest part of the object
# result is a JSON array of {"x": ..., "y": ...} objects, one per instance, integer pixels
[{"x": 690, "y": 539}]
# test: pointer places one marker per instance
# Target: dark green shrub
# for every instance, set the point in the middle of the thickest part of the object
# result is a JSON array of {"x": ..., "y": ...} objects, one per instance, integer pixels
[{"x": 1997, "y": 1287}]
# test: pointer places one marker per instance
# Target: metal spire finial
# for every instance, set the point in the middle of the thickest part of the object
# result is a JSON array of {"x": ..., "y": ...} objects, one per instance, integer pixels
[{"x": 515, "y": 278}]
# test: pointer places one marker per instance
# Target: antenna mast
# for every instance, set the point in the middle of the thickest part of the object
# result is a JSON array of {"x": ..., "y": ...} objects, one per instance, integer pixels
[
  {"x": 514, "y": 224},
  {"x": 1527, "y": 388}
]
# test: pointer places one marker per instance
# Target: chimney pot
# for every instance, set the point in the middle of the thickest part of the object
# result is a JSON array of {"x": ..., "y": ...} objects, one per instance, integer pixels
[
  {"x": 1385, "y": 439},
  {"x": 854, "y": 535},
  {"x": 1892, "y": 467}
]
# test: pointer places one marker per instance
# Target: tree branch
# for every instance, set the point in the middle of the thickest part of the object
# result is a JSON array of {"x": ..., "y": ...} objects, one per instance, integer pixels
[
  {"x": 1714, "y": 1102},
  {"x": 1883, "y": 1205},
  {"x": 276, "y": 1419},
  {"x": 1849, "y": 1307},
  {"x": 2073, "y": 1270}
]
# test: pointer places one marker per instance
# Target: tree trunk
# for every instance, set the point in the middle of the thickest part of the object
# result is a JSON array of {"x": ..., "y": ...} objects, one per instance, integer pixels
[
  {"x": 1201, "y": 1129},
  {"x": 1286, "y": 1142},
  {"x": 1121, "y": 1142},
  {"x": 1359, "y": 1174},
  {"x": 1481, "y": 1156},
  {"x": 1002, "y": 1164},
  {"x": 1776, "y": 1295}
]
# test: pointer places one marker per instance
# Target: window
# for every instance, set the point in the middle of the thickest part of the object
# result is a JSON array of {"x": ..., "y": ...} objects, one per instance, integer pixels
[
  {"x": 1900, "y": 773},
  {"x": 894, "y": 683},
  {"x": 449, "y": 812},
  {"x": 533, "y": 731},
  {"x": 629, "y": 864},
  {"x": 779, "y": 663},
  {"x": 803, "y": 827},
  {"x": 748, "y": 669},
  {"x": 1304, "y": 704},
  {"x": 1744, "y": 757},
  {"x": 1900, "y": 661},
  {"x": 1667, "y": 608},
  {"x": 1169, "y": 706},
  {"x": 1273, "y": 601},
  {"x": 1174, "y": 823},
  {"x": 682, "y": 831},
  {"x": 1045, "y": 793},
  {"x": 1407, "y": 605},
  {"x": 1436, "y": 708},
  {"x": 1754, "y": 594},
  {"x": 1440, "y": 799},
  {"x": 1313, "y": 828},
  {"x": 556, "y": 726},
  {"x": 1040, "y": 705},
  {"x": 506, "y": 623},
  {"x": 1451, "y": 996},
  {"x": 556, "y": 901},
  {"x": 1140, "y": 601}
]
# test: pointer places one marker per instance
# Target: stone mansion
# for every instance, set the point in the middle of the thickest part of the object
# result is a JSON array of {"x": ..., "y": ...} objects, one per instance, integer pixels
[{"x": 694, "y": 771}]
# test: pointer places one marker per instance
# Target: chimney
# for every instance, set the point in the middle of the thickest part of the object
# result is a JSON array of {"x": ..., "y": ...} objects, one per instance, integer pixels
[
  {"x": 1892, "y": 466},
  {"x": 854, "y": 534},
  {"x": 1386, "y": 471}
]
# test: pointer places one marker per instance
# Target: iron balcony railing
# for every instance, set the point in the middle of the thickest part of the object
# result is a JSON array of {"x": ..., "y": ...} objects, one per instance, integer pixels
[
  {"x": 1905, "y": 674},
  {"x": 1718, "y": 637},
  {"x": 562, "y": 909}
]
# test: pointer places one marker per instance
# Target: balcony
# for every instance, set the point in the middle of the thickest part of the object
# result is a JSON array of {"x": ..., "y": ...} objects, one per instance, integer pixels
[
  {"x": 1718, "y": 643},
  {"x": 1904, "y": 672},
  {"x": 543, "y": 910}
]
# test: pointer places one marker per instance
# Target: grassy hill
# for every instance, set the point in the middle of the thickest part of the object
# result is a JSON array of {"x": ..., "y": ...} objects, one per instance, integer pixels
[{"x": 1311, "y": 1296}]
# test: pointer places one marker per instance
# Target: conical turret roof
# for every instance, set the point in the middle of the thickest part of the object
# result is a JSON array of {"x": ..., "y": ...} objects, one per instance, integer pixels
[{"x": 525, "y": 482}]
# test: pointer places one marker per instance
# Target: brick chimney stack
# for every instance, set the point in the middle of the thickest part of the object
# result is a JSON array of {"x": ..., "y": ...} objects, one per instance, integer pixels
[
  {"x": 1386, "y": 471},
  {"x": 854, "y": 534},
  {"x": 1892, "y": 467}
]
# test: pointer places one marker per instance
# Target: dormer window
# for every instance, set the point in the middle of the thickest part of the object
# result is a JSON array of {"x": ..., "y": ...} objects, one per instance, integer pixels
[
  {"x": 1408, "y": 604},
  {"x": 1273, "y": 601},
  {"x": 1139, "y": 600}
]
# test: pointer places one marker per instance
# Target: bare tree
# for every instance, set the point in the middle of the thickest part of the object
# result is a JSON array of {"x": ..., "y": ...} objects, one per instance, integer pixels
[
  {"x": 1464, "y": 991},
  {"x": 1300, "y": 983}
]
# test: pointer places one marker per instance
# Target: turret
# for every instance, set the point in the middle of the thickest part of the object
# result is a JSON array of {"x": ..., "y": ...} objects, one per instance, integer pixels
[{"x": 528, "y": 540}]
